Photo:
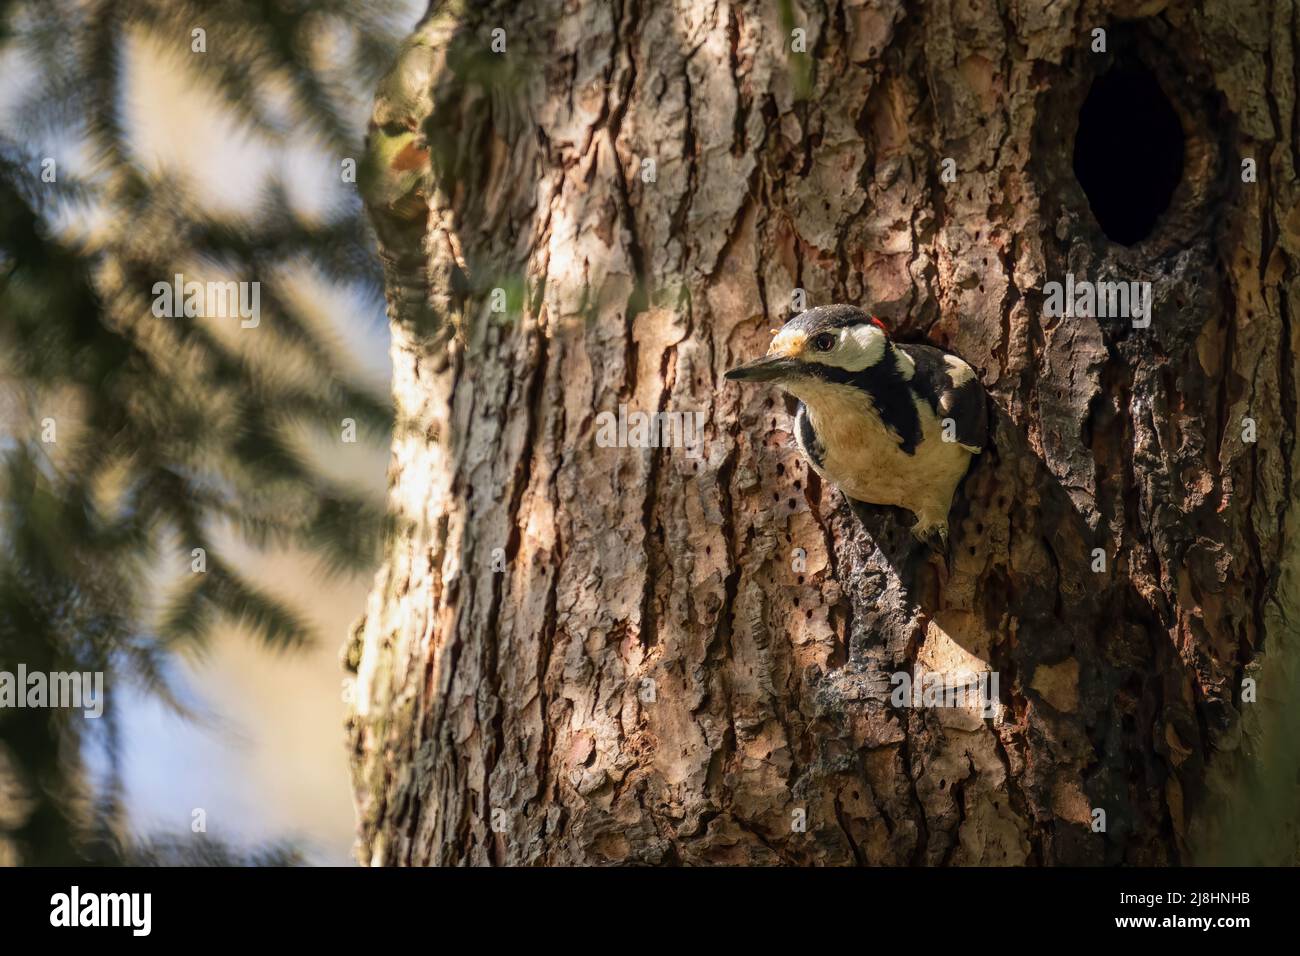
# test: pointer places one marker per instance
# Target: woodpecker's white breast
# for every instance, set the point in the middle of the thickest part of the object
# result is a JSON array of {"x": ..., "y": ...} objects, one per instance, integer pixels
[{"x": 862, "y": 457}]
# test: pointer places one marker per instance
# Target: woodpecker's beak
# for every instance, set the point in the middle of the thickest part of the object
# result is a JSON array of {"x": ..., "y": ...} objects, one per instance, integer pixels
[{"x": 769, "y": 368}]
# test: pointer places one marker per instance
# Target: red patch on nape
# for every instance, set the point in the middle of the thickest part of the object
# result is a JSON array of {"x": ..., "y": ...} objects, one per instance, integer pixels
[{"x": 880, "y": 325}]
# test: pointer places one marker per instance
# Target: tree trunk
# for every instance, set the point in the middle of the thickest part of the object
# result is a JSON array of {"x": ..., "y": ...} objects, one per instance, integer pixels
[{"x": 677, "y": 659}]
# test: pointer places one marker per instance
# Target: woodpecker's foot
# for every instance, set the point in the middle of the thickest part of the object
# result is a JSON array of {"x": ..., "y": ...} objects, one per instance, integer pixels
[{"x": 934, "y": 536}]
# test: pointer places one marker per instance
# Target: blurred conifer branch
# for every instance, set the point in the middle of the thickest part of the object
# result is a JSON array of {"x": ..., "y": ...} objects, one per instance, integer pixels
[{"x": 167, "y": 432}]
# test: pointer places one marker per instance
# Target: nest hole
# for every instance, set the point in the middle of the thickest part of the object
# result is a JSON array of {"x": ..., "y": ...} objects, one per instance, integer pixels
[{"x": 1128, "y": 151}]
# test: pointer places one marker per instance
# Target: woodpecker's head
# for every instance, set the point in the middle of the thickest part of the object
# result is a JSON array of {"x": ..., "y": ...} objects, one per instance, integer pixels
[{"x": 830, "y": 344}]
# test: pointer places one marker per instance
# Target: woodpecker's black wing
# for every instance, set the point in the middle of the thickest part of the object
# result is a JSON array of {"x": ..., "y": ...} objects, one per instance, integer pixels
[{"x": 953, "y": 390}]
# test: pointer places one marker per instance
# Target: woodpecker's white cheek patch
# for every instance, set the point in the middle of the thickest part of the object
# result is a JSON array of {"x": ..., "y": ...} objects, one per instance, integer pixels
[{"x": 859, "y": 347}]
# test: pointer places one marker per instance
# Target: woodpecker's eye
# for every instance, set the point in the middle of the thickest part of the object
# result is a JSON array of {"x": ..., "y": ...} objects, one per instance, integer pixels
[{"x": 824, "y": 342}]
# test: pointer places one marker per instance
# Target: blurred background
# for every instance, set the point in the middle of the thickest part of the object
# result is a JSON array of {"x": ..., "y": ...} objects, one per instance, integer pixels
[{"x": 189, "y": 506}]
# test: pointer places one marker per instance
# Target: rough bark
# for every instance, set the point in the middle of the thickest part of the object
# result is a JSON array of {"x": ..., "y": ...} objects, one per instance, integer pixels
[{"x": 524, "y": 691}]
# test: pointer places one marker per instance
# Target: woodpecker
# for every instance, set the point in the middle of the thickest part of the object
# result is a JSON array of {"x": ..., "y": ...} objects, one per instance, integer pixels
[
  {"x": 886, "y": 423},
  {"x": 394, "y": 171}
]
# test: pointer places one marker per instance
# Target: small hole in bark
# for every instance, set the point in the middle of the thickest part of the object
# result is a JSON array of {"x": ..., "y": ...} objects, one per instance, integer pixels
[{"x": 1128, "y": 151}]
